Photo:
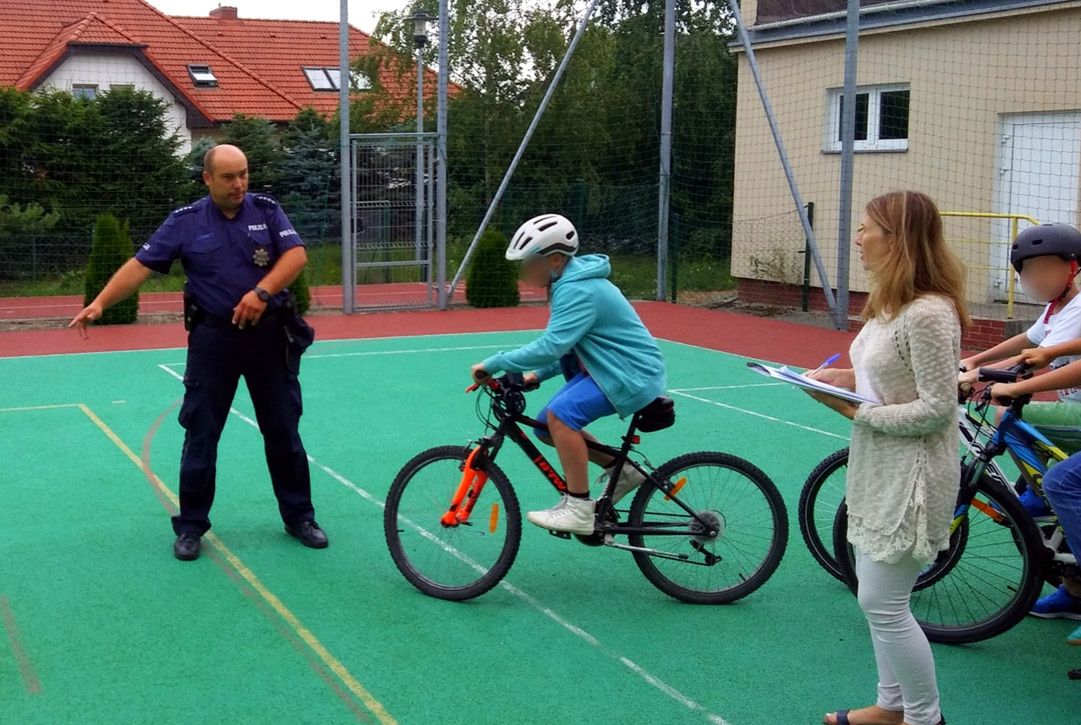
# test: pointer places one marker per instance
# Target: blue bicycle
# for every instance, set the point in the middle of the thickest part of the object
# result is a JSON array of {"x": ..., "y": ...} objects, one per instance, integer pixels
[{"x": 998, "y": 557}]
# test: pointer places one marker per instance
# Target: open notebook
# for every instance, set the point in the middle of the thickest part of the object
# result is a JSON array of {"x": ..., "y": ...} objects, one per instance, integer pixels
[{"x": 785, "y": 375}]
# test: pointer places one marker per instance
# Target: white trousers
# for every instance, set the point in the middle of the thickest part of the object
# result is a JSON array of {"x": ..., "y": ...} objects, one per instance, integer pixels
[{"x": 906, "y": 669}]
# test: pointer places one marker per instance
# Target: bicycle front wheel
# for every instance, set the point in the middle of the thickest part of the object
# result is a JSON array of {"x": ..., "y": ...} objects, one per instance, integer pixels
[
  {"x": 985, "y": 582},
  {"x": 737, "y": 500},
  {"x": 822, "y": 495},
  {"x": 450, "y": 562}
]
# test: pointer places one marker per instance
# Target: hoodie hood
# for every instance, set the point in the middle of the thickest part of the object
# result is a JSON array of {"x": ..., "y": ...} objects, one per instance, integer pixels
[{"x": 589, "y": 266}]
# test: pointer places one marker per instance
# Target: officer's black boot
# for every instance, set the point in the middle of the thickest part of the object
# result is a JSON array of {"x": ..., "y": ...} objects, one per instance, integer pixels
[
  {"x": 309, "y": 534},
  {"x": 186, "y": 547}
]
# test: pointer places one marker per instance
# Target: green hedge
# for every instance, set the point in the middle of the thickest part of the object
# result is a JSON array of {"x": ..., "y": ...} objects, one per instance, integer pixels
[
  {"x": 492, "y": 281},
  {"x": 109, "y": 250}
]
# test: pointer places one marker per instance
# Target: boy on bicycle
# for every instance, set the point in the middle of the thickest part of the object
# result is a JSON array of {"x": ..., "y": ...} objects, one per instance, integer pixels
[
  {"x": 1046, "y": 258},
  {"x": 595, "y": 338}
]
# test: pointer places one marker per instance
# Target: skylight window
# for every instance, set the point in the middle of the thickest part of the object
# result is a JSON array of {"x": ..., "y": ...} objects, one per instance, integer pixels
[
  {"x": 319, "y": 79},
  {"x": 202, "y": 76},
  {"x": 329, "y": 79}
]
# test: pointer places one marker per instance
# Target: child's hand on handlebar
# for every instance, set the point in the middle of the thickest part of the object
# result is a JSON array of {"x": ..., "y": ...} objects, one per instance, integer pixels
[
  {"x": 1004, "y": 393},
  {"x": 1037, "y": 357},
  {"x": 479, "y": 373},
  {"x": 530, "y": 381}
]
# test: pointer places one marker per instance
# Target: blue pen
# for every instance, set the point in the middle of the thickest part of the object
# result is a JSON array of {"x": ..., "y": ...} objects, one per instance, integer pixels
[{"x": 829, "y": 361}]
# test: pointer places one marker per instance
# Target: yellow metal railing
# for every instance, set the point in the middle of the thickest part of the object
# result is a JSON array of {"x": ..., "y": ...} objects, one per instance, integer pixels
[{"x": 1015, "y": 223}]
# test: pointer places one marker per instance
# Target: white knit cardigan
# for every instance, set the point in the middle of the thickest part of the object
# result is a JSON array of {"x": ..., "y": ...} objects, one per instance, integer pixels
[{"x": 903, "y": 467}]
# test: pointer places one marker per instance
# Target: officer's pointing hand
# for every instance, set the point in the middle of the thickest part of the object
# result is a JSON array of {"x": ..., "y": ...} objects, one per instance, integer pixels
[
  {"x": 89, "y": 313},
  {"x": 248, "y": 310}
]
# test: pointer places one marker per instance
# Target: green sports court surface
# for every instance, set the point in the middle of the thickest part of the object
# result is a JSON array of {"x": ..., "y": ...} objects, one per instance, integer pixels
[{"x": 99, "y": 624}]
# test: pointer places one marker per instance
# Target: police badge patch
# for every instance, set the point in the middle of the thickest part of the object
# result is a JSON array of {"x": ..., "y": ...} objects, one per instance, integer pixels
[{"x": 261, "y": 257}]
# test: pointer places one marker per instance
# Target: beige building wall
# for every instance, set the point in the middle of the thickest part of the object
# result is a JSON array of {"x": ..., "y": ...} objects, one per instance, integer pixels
[{"x": 964, "y": 76}]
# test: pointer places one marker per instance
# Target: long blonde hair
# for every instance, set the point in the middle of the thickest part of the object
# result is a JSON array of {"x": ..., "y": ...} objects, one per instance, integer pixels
[{"x": 918, "y": 262}]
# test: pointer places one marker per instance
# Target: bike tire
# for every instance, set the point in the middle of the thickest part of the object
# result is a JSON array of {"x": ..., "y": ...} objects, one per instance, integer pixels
[
  {"x": 394, "y": 526},
  {"x": 749, "y": 581},
  {"x": 1025, "y": 536},
  {"x": 809, "y": 528}
]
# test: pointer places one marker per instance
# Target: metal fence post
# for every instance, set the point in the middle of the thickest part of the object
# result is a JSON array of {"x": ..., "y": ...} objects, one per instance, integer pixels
[
  {"x": 805, "y": 296},
  {"x": 664, "y": 181},
  {"x": 441, "y": 161},
  {"x": 348, "y": 263},
  {"x": 848, "y": 151}
]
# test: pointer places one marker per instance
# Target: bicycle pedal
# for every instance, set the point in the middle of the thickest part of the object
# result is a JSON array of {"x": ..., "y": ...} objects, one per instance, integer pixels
[{"x": 559, "y": 534}]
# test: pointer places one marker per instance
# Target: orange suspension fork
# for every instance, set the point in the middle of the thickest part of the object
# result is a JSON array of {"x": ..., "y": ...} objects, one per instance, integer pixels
[{"x": 468, "y": 492}]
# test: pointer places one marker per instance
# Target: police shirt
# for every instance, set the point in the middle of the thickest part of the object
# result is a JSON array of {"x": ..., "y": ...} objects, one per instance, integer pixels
[{"x": 223, "y": 258}]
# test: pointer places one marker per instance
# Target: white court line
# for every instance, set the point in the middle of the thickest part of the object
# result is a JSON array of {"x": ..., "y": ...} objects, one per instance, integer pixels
[
  {"x": 759, "y": 415},
  {"x": 28, "y": 408},
  {"x": 371, "y": 353},
  {"x": 577, "y": 631},
  {"x": 725, "y": 387}
]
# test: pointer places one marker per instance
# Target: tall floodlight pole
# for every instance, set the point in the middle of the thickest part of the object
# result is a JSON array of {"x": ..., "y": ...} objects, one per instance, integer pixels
[
  {"x": 441, "y": 160},
  {"x": 344, "y": 77},
  {"x": 420, "y": 38},
  {"x": 664, "y": 183},
  {"x": 848, "y": 152}
]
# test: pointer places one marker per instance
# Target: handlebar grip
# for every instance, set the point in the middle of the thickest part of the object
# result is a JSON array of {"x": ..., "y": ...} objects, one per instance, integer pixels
[{"x": 1005, "y": 375}]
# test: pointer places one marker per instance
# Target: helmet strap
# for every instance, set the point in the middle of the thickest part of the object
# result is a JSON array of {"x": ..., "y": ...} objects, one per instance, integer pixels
[{"x": 1074, "y": 269}]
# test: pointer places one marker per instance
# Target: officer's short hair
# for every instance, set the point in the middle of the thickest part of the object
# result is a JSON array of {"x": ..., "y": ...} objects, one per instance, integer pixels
[{"x": 208, "y": 160}]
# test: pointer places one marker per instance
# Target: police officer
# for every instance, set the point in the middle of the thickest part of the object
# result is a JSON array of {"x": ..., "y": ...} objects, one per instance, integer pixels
[{"x": 240, "y": 252}]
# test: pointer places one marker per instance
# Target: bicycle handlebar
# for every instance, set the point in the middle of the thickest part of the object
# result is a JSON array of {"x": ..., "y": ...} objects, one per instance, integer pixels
[{"x": 1012, "y": 374}]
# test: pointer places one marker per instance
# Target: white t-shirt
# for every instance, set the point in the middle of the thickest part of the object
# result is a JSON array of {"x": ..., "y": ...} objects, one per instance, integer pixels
[{"x": 1064, "y": 325}]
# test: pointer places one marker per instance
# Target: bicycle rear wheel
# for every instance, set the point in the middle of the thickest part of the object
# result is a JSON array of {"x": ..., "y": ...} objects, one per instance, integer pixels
[
  {"x": 985, "y": 582},
  {"x": 450, "y": 562},
  {"x": 731, "y": 494},
  {"x": 822, "y": 495}
]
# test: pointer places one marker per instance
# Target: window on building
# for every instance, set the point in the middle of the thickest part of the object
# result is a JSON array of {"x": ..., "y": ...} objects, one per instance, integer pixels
[
  {"x": 881, "y": 118},
  {"x": 84, "y": 90},
  {"x": 122, "y": 87},
  {"x": 329, "y": 79},
  {"x": 201, "y": 75}
]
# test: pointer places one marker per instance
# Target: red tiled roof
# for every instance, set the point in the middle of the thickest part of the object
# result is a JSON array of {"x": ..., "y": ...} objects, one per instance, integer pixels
[
  {"x": 280, "y": 49},
  {"x": 258, "y": 63}
]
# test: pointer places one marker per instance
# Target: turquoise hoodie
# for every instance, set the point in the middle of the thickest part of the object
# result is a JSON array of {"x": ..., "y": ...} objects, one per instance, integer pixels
[{"x": 591, "y": 318}]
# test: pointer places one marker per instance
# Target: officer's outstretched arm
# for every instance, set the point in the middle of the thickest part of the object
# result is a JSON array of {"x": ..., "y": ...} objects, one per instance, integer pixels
[{"x": 122, "y": 285}]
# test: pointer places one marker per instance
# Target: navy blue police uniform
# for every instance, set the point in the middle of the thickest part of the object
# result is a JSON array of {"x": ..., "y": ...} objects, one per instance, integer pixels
[{"x": 224, "y": 259}]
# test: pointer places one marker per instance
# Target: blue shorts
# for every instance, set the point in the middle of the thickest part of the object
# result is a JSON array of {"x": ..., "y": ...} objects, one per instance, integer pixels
[{"x": 577, "y": 404}]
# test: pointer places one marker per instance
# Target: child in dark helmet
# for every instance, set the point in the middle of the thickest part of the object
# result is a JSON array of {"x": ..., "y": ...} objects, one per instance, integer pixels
[
  {"x": 1046, "y": 258},
  {"x": 596, "y": 339}
]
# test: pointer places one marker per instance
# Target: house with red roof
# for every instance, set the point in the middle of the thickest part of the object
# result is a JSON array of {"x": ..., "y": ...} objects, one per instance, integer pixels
[{"x": 208, "y": 68}]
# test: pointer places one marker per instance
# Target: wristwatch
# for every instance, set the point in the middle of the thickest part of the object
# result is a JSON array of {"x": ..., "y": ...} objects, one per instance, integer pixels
[{"x": 262, "y": 294}]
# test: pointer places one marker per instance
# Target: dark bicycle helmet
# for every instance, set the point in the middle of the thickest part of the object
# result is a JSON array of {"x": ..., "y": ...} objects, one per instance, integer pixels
[{"x": 1045, "y": 240}]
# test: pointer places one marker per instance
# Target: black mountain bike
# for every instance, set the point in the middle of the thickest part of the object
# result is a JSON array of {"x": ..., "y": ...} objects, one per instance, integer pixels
[{"x": 704, "y": 528}]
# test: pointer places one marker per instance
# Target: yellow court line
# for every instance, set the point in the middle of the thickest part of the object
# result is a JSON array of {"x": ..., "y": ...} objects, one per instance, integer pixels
[{"x": 305, "y": 634}]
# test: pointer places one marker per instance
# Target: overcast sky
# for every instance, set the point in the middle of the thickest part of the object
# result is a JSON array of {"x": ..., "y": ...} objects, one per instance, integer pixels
[{"x": 362, "y": 13}]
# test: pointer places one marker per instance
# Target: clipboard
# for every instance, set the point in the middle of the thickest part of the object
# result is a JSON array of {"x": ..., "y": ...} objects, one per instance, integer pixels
[{"x": 786, "y": 375}]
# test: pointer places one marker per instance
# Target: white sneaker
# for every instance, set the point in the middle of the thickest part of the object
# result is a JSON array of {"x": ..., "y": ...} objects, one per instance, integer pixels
[
  {"x": 630, "y": 478},
  {"x": 572, "y": 515}
]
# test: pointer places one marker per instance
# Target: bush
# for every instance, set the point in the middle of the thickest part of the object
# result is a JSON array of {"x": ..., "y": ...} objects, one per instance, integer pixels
[
  {"x": 301, "y": 292},
  {"x": 110, "y": 249},
  {"x": 492, "y": 281}
]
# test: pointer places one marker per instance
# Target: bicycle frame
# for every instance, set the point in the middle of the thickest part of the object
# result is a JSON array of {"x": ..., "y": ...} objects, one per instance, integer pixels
[
  {"x": 1027, "y": 447},
  {"x": 510, "y": 424}
]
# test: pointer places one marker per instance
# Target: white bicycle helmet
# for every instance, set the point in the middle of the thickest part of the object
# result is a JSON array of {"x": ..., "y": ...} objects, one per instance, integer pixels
[{"x": 543, "y": 235}]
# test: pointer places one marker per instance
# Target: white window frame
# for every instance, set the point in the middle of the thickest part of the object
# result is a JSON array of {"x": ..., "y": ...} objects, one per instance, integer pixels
[
  {"x": 874, "y": 109},
  {"x": 89, "y": 91},
  {"x": 202, "y": 75}
]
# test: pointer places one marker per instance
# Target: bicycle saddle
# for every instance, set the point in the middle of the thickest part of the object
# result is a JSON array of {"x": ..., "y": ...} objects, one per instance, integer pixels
[{"x": 658, "y": 415}]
